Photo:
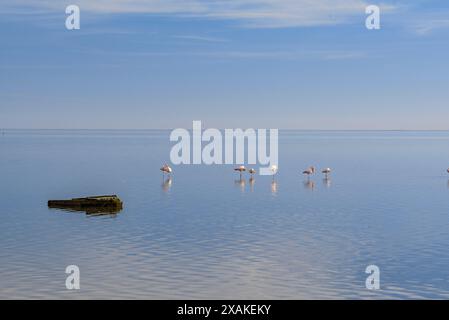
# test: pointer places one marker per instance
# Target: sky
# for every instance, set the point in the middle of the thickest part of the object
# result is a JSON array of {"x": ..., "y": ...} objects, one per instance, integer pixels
[{"x": 287, "y": 64}]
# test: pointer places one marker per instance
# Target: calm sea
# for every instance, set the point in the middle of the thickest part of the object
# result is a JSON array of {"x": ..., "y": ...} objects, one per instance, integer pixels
[{"x": 204, "y": 234}]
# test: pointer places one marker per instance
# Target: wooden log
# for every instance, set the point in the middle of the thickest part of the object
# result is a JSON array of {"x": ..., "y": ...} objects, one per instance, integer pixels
[{"x": 109, "y": 202}]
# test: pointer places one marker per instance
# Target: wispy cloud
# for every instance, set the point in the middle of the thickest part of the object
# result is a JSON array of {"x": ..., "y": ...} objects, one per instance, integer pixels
[
  {"x": 342, "y": 55},
  {"x": 199, "y": 38},
  {"x": 427, "y": 27},
  {"x": 283, "y": 55},
  {"x": 250, "y": 13},
  {"x": 240, "y": 54}
]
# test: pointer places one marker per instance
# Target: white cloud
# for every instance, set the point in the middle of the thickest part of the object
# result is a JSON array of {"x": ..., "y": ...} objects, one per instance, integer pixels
[
  {"x": 428, "y": 26},
  {"x": 250, "y": 13},
  {"x": 199, "y": 38},
  {"x": 240, "y": 54}
]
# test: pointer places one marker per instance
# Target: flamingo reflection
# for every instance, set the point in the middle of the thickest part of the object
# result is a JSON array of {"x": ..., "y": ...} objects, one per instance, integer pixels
[
  {"x": 251, "y": 183},
  {"x": 274, "y": 187},
  {"x": 310, "y": 185},
  {"x": 166, "y": 185},
  {"x": 240, "y": 183}
]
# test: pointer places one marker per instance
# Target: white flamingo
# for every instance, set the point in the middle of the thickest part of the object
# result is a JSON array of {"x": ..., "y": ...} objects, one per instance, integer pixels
[
  {"x": 166, "y": 169},
  {"x": 252, "y": 171},
  {"x": 240, "y": 169},
  {"x": 326, "y": 172},
  {"x": 274, "y": 170}
]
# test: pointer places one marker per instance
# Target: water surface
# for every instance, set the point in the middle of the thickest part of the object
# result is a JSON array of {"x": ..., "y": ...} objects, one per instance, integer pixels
[{"x": 207, "y": 235}]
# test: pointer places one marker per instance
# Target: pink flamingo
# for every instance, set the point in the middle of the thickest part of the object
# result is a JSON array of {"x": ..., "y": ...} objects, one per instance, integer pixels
[
  {"x": 309, "y": 172},
  {"x": 240, "y": 169},
  {"x": 166, "y": 169}
]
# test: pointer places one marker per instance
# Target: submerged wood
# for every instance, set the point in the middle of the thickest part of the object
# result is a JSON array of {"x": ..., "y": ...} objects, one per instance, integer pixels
[{"x": 96, "y": 204}]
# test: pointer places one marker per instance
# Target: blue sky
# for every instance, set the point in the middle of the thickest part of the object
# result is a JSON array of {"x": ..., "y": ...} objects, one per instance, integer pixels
[{"x": 296, "y": 64}]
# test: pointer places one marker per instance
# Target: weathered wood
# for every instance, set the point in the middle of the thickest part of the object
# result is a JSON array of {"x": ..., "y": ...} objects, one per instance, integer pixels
[{"x": 89, "y": 204}]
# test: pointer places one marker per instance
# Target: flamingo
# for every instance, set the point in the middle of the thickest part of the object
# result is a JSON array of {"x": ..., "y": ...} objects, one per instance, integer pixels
[
  {"x": 326, "y": 172},
  {"x": 309, "y": 171},
  {"x": 274, "y": 170},
  {"x": 240, "y": 169},
  {"x": 166, "y": 169}
]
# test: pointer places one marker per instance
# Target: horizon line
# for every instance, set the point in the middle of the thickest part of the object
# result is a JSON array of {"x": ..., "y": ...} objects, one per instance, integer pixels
[{"x": 166, "y": 129}]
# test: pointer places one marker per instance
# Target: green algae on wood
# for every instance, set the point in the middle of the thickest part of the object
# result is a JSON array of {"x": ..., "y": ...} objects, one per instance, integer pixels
[{"x": 96, "y": 204}]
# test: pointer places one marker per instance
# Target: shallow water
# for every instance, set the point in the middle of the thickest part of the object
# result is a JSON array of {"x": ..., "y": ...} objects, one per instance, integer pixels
[{"x": 206, "y": 235}]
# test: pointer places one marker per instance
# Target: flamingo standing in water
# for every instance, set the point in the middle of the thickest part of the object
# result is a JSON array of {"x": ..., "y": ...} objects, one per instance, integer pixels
[
  {"x": 240, "y": 169},
  {"x": 274, "y": 170},
  {"x": 166, "y": 169},
  {"x": 326, "y": 172},
  {"x": 309, "y": 172},
  {"x": 252, "y": 171}
]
